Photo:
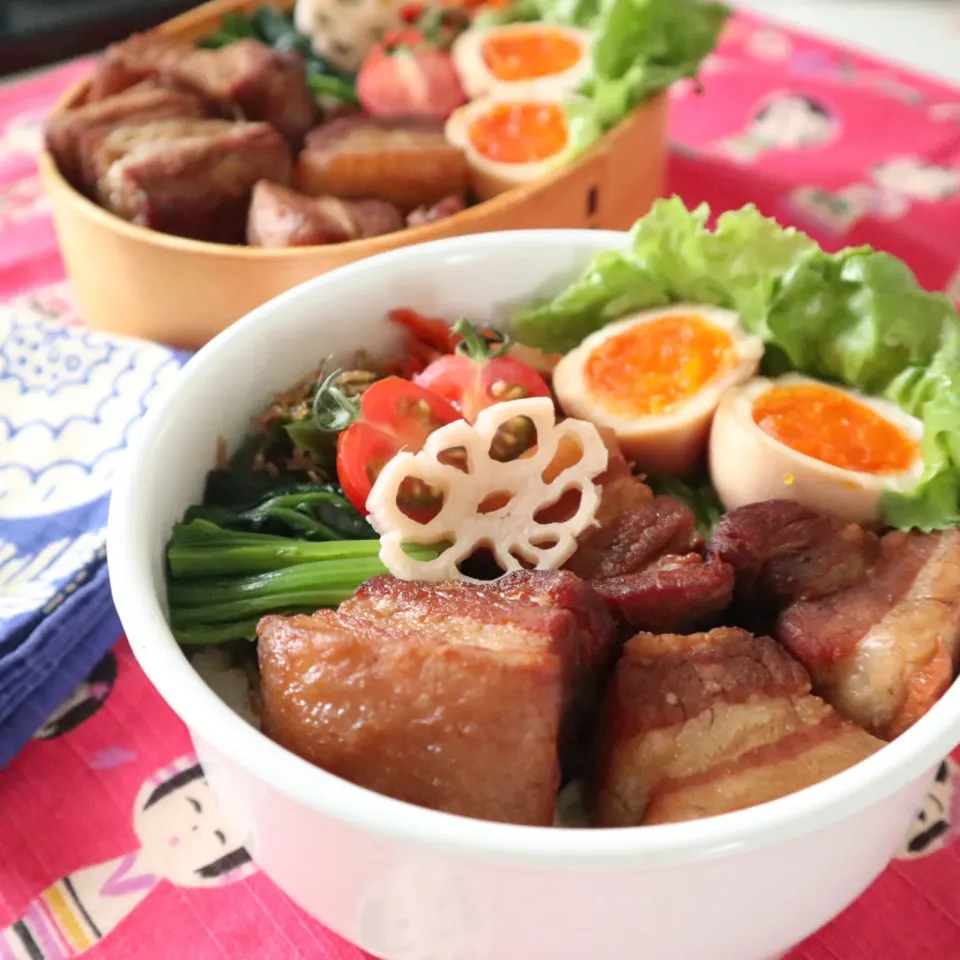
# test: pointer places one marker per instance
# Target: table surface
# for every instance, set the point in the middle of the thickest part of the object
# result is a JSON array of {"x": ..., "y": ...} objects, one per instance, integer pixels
[{"x": 923, "y": 35}]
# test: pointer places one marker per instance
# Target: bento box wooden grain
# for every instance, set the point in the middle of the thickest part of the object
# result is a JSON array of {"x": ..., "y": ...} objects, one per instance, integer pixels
[{"x": 128, "y": 279}]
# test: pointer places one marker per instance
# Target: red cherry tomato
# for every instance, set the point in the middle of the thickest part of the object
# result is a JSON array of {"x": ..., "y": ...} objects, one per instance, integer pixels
[
  {"x": 392, "y": 415},
  {"x": 478, "y": 375},
  {"x": 405, "y": 77}
]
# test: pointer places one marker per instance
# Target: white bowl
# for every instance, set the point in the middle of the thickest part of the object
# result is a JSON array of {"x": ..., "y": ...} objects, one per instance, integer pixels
[{"x": 404, "y": 882}]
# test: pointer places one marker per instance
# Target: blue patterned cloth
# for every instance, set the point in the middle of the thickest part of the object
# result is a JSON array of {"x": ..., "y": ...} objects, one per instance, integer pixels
[{"x": 69, "y": 401}]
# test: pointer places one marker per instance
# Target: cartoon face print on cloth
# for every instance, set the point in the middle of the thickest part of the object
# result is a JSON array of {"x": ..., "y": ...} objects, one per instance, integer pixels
[
  {"x": 938, "y": 818},
  {"x": 895, "y": 186},
  {"x": 86, "y": 700},
  {"x": 182, "y": 834},
  {"x": 69, "y": 399},
  {"x": 783, "y": 121},
  {"x": 184, "y": 841},
  {"x": 420, "y": 910}
]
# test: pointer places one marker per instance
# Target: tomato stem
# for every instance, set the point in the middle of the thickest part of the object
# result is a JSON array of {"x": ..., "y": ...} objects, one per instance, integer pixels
[
  {"x": 477, "y": 347},
  {"x": 333, "y": 408}
]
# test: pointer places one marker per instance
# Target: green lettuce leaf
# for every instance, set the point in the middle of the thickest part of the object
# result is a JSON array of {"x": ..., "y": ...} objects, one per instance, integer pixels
[
  {"x": 643, "y": 46},
  {"x": 672, "y": 257},
  {"x": 857, "y": 317},
  {"x": 640, "y": 48}
]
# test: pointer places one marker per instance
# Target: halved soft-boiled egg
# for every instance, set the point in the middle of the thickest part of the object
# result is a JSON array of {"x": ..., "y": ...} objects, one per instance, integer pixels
[
  {"x": 829, "y": 448},
  {"x": 521, "y": 58},
  {"x": 656, "y": 378},
  {"x": 509, "y": 141}
]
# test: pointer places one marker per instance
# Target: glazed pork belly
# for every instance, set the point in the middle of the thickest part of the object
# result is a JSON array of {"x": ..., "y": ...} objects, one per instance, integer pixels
[
  {"x": 709, "y": 723},
  {"x": 886, "y": 649},
  {"x": 65, "y": 131},
  {"x": 407, "y": 162},
  {"x": 645, "y": 558},
  {"x": 284, "y": 218},
  {"x": 876, "y": 621},
  {"x": 246, "y": 76},
  {"x": 459, "y": 697},
  {"x": 199, "y": 186}
]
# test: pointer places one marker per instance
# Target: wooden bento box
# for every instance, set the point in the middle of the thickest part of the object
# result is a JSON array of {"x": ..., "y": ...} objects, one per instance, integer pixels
[{"x": 132, "y": 280}]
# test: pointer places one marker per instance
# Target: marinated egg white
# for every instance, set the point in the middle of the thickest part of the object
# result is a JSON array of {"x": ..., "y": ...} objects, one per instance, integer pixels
[
  {"x": 522, "y": 58},
  {"x": 865, "y": 446},
  {"x": 510, "y": 140},
  {"x": 655, "y": 378}
]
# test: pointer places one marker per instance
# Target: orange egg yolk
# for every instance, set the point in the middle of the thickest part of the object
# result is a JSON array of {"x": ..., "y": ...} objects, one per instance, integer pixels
[
  {"x": 528, "y": 54},
  {"x": 834, "y": 427},
  {"x": 654, "y": 367},
  {"x": 520, "y": 132}
]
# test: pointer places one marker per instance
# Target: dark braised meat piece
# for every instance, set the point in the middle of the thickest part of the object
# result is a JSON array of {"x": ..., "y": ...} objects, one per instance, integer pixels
[
  {"x": 140, "y": 104},
  {"x": 407, "y": 162},
  {"x": 446, "y": 207},
  {"x": 670, "y": 593},
  {"x": 100, "y": 149},
  {"x": 645, "y": 559},
  {"x": 700, "y": 725},
  {"x": 636, "y": 536},
  {"x": 246, "y": 76},
  {"x": 781, "y": 551},
  {"x": 198, "y": 187},
  {"x": 284, "y": 218},
  {"x": 455, "y": 696}
]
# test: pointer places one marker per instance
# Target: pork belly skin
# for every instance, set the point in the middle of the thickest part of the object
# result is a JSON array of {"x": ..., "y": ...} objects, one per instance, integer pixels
[
  {"x": 407, "y": 162},
  {"x": 709, "y": 723}
]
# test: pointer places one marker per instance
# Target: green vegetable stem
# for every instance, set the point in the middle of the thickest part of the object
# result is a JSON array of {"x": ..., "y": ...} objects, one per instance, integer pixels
[
  {"x": 220, "y": 582},
  {"x": 200, "y": 548}
]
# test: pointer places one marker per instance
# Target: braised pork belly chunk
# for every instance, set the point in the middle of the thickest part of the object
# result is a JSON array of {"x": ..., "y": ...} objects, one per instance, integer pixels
[
  {"x": 645, "y": 558},
  {"x": 876, "y": 621},
  {"x": 284, "y": 218},
  {"x": 456, "y": 696},
  {"x": 197, "y": 186},
  {"x": 886, "y": 649},
  {"x": 709, "y": 723},
  {"x": 146, "y": 102},
  {"x": 407, "y": 162},
  {"x": 99, "y": 149},
  {"x": 248, "y": 77}
]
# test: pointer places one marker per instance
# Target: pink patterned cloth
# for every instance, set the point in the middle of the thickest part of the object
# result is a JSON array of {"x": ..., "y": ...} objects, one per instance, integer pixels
[{"x": 111, "y": 845}]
